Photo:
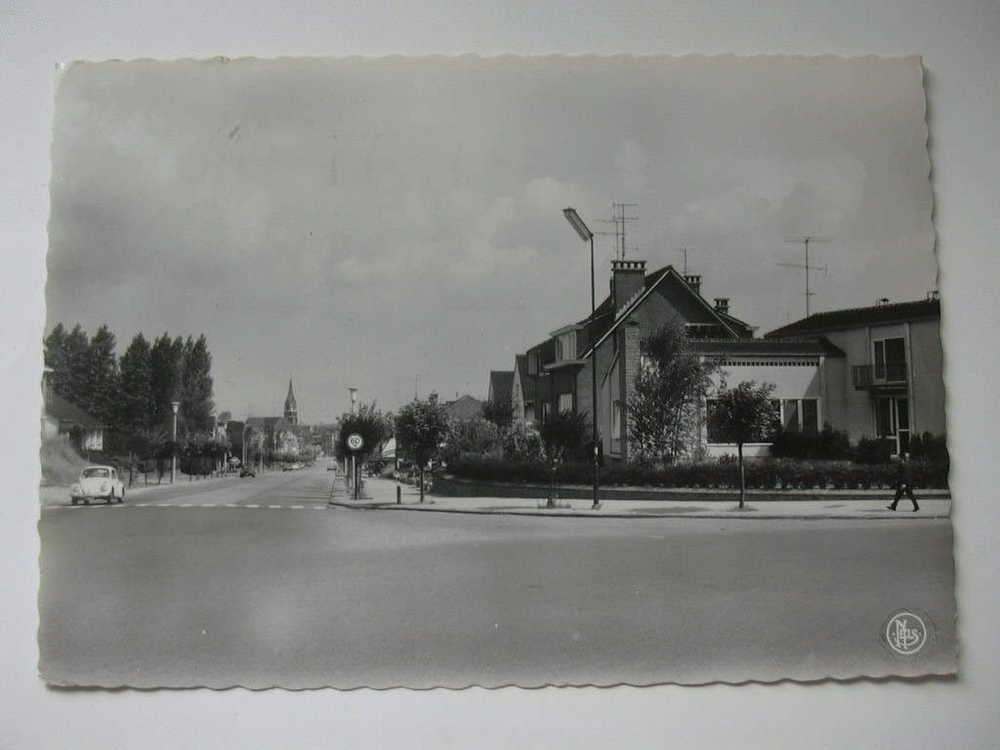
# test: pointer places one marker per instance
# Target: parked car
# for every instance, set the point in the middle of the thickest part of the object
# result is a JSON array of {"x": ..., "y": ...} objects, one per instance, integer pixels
[
  {"x": 98, "y": 483},
  {"x": 246, "y": 471}
]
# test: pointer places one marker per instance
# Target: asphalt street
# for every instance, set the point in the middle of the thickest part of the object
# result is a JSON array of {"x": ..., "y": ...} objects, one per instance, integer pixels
[{"x": 256, "y": 582}]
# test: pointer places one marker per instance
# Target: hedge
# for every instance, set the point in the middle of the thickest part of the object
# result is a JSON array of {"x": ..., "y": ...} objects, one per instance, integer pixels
[{"x": 760, "y": 474}]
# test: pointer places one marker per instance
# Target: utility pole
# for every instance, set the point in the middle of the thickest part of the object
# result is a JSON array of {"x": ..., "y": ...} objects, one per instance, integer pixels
[{"x": 805, "y": 241}]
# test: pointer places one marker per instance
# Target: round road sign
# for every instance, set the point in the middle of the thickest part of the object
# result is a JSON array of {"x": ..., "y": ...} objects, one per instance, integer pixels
[{"x": 355, "y": 442}]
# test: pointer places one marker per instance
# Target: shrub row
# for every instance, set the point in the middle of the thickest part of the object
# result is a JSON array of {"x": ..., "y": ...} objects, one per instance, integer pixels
[{"x": 762, "y": 474}]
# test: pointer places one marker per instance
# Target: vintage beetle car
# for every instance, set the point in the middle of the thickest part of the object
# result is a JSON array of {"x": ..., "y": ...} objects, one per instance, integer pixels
[{"x": 98, "y": 483}]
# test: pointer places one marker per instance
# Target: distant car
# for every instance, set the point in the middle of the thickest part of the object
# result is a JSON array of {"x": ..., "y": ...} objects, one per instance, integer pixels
[
  {"x": 246, "y": 471},
  {"x": 98, "y": 483}
]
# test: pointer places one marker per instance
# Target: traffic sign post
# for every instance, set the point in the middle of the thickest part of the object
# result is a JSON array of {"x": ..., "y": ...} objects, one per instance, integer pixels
[{"x": 354, "y": 444}]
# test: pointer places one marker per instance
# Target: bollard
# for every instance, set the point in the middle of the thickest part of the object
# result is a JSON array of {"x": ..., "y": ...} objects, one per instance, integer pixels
[{"x": 399, "y": 495}]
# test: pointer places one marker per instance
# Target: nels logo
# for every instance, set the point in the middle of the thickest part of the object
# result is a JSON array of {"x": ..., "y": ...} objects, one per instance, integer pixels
[{"x": 905, "y": 633}]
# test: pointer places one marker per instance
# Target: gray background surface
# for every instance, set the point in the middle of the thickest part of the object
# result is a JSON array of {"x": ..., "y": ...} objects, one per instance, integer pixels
[{"x": 959, "y": 43}]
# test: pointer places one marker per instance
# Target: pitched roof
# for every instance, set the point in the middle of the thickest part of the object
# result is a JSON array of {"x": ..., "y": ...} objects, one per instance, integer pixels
[
  {"x": 767, "y": 347},
  {"x": 466, "y": 407},
  {"x": 857, "y": 317},
  {"x": 527, "y": 382},
  {"x": 268, "y": 422},
  {"x": 605, "y": 319},
  {"x": 501, "y": 384},
  {"x": 67, "y": 412}
]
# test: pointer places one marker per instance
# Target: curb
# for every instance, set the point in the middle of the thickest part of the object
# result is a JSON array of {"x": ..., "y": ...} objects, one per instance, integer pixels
[{"x": 542, "y": 513}]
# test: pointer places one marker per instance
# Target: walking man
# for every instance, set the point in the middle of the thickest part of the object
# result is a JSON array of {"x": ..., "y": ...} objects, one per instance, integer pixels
[{"x": 904, "y": 487}]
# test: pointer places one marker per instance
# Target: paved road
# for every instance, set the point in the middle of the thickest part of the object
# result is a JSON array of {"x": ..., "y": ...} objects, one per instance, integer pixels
[{"x": 257, "y": 583}]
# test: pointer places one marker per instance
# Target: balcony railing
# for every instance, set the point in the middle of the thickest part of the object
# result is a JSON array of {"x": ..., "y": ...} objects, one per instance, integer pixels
[{"x": 872, "y": 376}]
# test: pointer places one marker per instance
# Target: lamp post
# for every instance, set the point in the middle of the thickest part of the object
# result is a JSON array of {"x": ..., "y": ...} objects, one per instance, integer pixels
[
  {"x": 587, "y": 236},
  {"x": 243, "y": 441},
  {"x": 174, "y": 405},
  {"x": 354, "y": 399}
]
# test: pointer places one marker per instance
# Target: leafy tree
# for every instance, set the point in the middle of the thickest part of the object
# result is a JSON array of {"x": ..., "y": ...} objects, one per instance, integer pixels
[
  {"x": 743, "y": 414},
  {"x": 421, "y": 428},
  {"x": 663, "y": 413},
  {"x": 500, "y": 413},
  {"x": 369, "y": 423},
  {"x": 101, "y": 379},
  {"x": 478, "y": 436},
  {"x": 135, "y": 368},
  {"x": 68, "y": 356},
  {"x": 166, "y": 362},
  {"x": 196, "y": 385}
]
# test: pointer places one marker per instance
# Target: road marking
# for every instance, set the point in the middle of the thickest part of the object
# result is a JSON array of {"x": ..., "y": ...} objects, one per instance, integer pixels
[
  {"x": 163, "y": 505},
  {"x": 251, "y": 506},
  {"x": 232, "y": 505},
  {"x": 297, "y": 507},
  {"x": 143, "y": 505},
  {"x": 187, "y": 505},
  {"x": 278, "y": 507}
]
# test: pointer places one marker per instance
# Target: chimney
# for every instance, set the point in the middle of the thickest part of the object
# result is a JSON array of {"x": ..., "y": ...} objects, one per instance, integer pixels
[
  {"x": 722, "y": 305},
  {"x": 694, "y": 281},
  {"x": 628, "y": 277}
]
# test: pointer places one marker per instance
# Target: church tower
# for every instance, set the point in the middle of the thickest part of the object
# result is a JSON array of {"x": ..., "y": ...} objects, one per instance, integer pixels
[{"x": 291, "y": 412}]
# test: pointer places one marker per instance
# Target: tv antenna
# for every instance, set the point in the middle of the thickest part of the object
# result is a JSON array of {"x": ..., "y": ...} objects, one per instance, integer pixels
[
  {"x": 684, "y": 251},
  {"x": 620, "y": 218},
  {"x": 806, "y": 240}
]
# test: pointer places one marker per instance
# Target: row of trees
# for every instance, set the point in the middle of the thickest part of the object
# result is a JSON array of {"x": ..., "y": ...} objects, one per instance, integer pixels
[{"x": 132, "y": 395}]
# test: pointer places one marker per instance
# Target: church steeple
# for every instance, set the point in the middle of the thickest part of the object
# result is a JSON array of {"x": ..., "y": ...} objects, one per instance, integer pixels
[{"x": 291, "y": 411}]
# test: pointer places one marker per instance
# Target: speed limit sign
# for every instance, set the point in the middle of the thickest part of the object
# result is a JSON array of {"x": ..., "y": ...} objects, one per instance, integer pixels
[{"x": 355, "y": 442}]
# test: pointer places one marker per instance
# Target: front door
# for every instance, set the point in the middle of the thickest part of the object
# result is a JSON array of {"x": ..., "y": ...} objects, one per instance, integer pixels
[{"x": 892, "y": 422}]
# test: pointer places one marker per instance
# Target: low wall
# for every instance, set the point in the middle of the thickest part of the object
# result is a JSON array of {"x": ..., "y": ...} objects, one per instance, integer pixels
[{"x": 455, "y": 487}]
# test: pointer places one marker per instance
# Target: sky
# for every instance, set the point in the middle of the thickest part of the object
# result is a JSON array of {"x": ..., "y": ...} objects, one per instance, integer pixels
[{"x": 395, "y": 224}]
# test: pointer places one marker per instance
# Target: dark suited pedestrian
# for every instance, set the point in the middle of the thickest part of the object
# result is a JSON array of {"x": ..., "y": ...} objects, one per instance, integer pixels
[{"x": 904, "y": 485}]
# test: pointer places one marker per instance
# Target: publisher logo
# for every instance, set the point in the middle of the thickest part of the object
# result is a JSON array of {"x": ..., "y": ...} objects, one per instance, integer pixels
[{"x": 905, "y": 633}]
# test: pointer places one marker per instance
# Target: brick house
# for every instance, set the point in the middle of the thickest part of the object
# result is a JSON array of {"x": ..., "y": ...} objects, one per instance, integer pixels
[{"x": 557, "y": 371}]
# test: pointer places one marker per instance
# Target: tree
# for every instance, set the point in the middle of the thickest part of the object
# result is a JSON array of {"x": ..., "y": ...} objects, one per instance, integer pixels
[
  {"x": 136, "y": 397},
  {"x": 165, "y": 360},
  {"x": 68, "y": 356},
  {"x": 562, "y": 435},
  {"x": 743, "y": 414},
  {"x": 500, "y": 413},
  {"x": 663, "y": 414},
  {"x": 367, "y": 422},
  {"x": 478, "y": 436},
  {"x": 196, "y": 385},
  {"x": 101, "y": 379},
  {"x": 421, "y": 428}
]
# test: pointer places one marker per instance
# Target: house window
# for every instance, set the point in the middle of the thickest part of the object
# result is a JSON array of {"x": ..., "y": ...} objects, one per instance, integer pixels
[
  {"x": 890, "y": 359},
  {"x": 533, "y": 363},
  {"x": 790, "y": 415},
  {"x": 565, "y": 402},
  {"x": 794, "y": 414}
]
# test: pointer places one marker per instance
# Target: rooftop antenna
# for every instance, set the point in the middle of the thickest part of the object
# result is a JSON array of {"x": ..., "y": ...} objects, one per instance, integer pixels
[
  {"x": 806, "y": 240},
  {"x": 684, "y": 252},
  {"x": 620, "y": 218}
]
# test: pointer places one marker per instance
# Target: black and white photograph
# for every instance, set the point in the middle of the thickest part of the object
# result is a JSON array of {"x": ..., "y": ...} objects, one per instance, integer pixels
[{"x": 452, "y": 371}]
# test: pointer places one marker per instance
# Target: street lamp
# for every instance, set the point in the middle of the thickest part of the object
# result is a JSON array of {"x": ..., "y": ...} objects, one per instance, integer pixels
[
  {"x": 354, "y": 399},
  {"x": 587, "y": 236},
  {"x": 174, "y": 405},
  {"x": 243, "y": 441}
]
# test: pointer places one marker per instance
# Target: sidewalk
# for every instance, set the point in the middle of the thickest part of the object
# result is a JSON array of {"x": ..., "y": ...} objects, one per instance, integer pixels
[{"x": 380, "y": 494}]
